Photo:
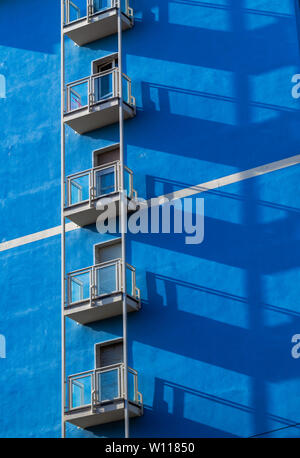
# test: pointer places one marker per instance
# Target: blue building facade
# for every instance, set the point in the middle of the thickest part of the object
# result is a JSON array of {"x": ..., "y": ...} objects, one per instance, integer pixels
[{"x": 216, "y": 105}]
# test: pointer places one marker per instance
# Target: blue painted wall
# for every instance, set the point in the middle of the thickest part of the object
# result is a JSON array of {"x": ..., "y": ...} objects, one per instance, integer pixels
[{"x": 212, "y": 343}]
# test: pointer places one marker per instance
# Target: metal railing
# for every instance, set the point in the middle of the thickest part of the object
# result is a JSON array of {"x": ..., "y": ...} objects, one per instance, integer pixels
[
  {"x": 94, "y": 89},
  {"x": 101, "y": 385},
  {"x": 91, "y": 184},
  {"x": 80, "y": 9},
  {"x": 100, "y": 280}
]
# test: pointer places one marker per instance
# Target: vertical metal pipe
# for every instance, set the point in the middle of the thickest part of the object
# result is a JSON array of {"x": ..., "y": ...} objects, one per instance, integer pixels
[
  {"x": 123, "y": 222},
  {"x": 62, "y": 149}
]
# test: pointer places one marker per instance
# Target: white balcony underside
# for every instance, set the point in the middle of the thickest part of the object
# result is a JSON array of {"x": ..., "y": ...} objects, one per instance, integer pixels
[
  {"x": 100, "y": 115},
  {"x": 101, "y": 25},
  {"x": 101, "y": 309},
  {"x": 104, "y": 413},
  {"x": 83, "y": 215}
]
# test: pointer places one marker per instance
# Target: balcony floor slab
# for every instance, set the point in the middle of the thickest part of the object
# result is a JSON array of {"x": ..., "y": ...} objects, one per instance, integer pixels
[
  {"x": 83, "y": 215},
  {"x": 102, "y": 308},
  {"x": 104, "y": 413},
  {"x": 100, "y": 115}
]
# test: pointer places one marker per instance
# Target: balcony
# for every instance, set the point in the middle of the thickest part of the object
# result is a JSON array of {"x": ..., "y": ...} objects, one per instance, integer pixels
[
  {"x": 91, "y": 188},
  {"x": 86, "y": 21},
  {"x": 95, "y": 293},
  {"x": 97, "y": 396},
  {"x": 93, "y": 102}
]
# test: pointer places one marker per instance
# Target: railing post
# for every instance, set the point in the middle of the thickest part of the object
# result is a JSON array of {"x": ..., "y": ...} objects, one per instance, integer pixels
[
  {"x": 91, "y": 187},
  {"x": 122, "y": 379},
  {"x": 116, "y": 90},
  {"x": 92, "y": 285},
  {"x": 88, "y": 10},
  {"x": 68, "y": 390},
  {"x": 93, "y": 390},
  {"x": 66, "y": 101},
  {"x": 67, "y": 289},
  {"x": 66, "y": 17},
  {"x": 135, "y": 386},
  {"x": 130, "y": 185},
  {"x": 67, "y": 192},
  {"x": 118, "y": 177},
  {"x": 90, "y": 83},
  {"x": 133, "y": 282}
]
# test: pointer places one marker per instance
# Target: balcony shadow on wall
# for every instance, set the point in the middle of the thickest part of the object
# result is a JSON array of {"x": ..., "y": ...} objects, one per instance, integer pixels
[
  {"x": 169, "y": 412},
  {"x": 227, "y": 125},
  {"x": 260, "y": 350},
  {"x": 205, "y": 130},
  {"x": 260, "y": 353},
  {"x": 228, "y": 43},
  {"x": 156, "y": 186},
  {"x": 244, "y": 54},
  {"x": 262, "y": 249},
  {"x": 159, "y": 126},
  {"x": 35, "y": 27}
]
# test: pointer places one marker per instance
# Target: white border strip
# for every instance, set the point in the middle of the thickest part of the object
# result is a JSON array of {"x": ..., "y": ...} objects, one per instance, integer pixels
[
  {"x": 197, "y": 189},
  {"x": 36, "y": 236}
]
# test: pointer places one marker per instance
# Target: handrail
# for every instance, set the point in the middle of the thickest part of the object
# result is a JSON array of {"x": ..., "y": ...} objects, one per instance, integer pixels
[
  {"x": 94, "y": 399},
  {"x": 79, "y": 374},
  {"x": 92, "y": 188},
  {"x": 95, "y": 75},
  {"x": 90, "y": 12},
  {"x": 105, "y": 72},
  {"x": 135, "y": 292},
  {"x": 88, "y": 80},
  {"x": 80, "y": 80},
  {"x": 99, "y": 167},
  {"x": 94, "y": 265}
]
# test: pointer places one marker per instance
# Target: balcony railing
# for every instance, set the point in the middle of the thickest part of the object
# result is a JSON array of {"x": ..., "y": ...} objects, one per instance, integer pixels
[
  {"x": 94, "y": 89},
  {"x": 89, "y": 185},
  {"x": 79, "y": 9},
  {"x": 98, "y": 281},
  {"x": 91, "y": 388}
]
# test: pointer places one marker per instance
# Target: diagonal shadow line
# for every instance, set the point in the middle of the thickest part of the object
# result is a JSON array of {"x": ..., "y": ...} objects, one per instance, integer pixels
[
  {"x": 225, "y": 402},
  {"x": 215, "y": 96},
  {"x": 225, "y": 295},
  {"x": 151, "y": 180}
]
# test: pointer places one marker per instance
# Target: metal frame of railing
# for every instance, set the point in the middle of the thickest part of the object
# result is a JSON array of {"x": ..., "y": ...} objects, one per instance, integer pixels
[
  {"x": 95, "y": 392},
  {"x": 67, "y": 15},
  {"x": 90, "y": 96},
  {"x": 93, "y": 286},
  {"x": 93, "y": 195},
  {"x": 90, "y": 10}
]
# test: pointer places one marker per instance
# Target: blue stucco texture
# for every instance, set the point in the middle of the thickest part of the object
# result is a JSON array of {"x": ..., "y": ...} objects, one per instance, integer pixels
[{"x": 212, "y": 342}]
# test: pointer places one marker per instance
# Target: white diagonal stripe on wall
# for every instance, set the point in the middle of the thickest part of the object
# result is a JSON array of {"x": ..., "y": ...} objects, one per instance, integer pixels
[
  {"x": 36, "y": 236},
  {"x": 186, "y": 192},
  {"x": 234, "y": 178}
]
